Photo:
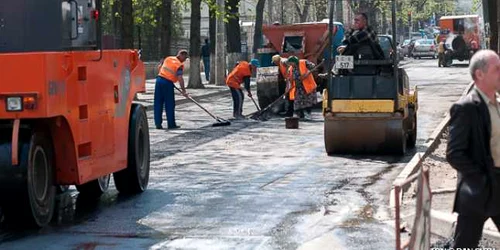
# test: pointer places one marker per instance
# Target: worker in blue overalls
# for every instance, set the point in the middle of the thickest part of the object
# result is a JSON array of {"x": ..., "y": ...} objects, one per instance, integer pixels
[{"x": 170, "y": 72}]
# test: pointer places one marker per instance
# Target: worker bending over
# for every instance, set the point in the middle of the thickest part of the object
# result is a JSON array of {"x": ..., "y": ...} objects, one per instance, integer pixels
[
  {"x": 240, "y": 74},
  {"x": 302, "y": 86},
  {"x": 170, "y": 72}
]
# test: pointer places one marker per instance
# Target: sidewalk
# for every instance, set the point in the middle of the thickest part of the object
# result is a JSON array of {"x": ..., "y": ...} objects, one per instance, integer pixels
[
  {"x": 147, "y": 99},
  {"x": 443, "y": 181}
]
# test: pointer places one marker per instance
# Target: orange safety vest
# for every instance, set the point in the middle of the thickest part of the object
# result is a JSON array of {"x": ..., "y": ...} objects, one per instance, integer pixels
[
  {"x": 235, "y": 78},
  {"x": 283, "y": 69},
  {"x": 308, "y": 83},
  {"x": 169, "y": 68}
]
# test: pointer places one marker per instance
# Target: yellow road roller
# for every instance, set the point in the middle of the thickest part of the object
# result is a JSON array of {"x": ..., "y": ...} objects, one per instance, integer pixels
[{"x": 368, "y": 105}]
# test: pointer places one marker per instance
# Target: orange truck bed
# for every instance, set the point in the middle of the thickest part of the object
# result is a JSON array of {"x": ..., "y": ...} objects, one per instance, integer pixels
[{"x": 313, "y": 41}]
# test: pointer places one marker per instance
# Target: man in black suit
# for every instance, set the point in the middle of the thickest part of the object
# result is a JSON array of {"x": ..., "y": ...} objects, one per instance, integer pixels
[{"x": 474, "y": 151}]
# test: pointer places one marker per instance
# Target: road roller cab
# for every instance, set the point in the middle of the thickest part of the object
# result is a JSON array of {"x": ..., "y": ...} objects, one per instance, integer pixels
[
  {"x": 66, "y": 111},
  {"x": 368, "y": 106}
]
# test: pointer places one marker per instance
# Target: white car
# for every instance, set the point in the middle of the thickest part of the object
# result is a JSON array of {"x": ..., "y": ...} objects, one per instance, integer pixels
[{"x": 425, "y": 48}]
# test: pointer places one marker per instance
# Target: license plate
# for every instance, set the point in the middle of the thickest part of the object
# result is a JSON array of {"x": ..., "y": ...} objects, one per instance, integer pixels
[{"x": 344, "y": 62}]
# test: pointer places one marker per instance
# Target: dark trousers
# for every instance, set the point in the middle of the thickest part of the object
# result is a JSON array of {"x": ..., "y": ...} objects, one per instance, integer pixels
[
  {"x": 164, "y": 95},
  {"x": 440, "y": 59},
  {"x": 238, "y": 98},
  {"x": 470, "y": 229},
  {"x": 206, "y": 65}
]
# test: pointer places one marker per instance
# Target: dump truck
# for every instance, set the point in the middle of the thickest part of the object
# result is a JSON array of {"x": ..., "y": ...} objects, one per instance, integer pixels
[
  {"x": 368, "y": 106},
  {"x": 303, "y": 40},
  {"x": 462, "y": 36},
  {"x": 66, "y": 110}
]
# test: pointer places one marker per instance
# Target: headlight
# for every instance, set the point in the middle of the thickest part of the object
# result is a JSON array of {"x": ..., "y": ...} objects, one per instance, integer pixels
[{"x": 14, "y": 103}]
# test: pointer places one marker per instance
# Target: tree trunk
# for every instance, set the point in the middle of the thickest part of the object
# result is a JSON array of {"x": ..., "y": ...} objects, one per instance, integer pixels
[
  {"x": 116, "y": 23},
  {"x": 194, "y": 47},
  {"x": 166, "y": 27},
  {"x": 213, "y": 41},
  {"x": 233, "y": 34},
  {"x": 304, "y": 12},
  {"x": 257, "y": 36},
  {"x": 339, "y": 11},
  {"x": 220, "y": 66},
  {"x": 127, "y": 25},
  {"x": 270, "y": 10},
  {"x": 385, "y": 25}
]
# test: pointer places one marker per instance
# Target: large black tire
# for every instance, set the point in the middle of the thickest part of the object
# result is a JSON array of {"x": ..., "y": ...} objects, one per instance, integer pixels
[
  {"x": 412, "y": 132},
  {"x": 135, "y": 178},
  {"x": 264, "y": 101},
  {"x": 95, "y": 188},
  {"x": 31, "y": 200}
]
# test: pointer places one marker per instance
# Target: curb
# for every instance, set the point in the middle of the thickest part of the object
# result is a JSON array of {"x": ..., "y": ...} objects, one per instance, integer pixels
[
  {"x": 444, "y": 226},
  {"x": 430, "y": 144},
  {"x": 442, "y": 223}
]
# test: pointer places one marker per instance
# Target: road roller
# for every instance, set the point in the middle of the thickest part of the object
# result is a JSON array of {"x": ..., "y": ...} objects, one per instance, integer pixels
[
  {"x": 368, "y": 106},
  {"x": 67, "y": 115}
]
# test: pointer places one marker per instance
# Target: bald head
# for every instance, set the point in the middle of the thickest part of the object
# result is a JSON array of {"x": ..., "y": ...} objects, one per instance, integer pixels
[{"x": 484, "y": 68}]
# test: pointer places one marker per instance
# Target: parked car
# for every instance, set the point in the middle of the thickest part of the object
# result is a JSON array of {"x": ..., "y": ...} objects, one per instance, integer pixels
[{"x": 425, "y": 48}]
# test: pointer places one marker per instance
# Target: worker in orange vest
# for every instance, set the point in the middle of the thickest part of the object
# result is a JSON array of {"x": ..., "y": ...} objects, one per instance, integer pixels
[
  {"x": 302, "y": 86},
  {"x": 240, "y": 74},
  {"x": 282, "y": 63},
  {"x": 170, "y": 72}
]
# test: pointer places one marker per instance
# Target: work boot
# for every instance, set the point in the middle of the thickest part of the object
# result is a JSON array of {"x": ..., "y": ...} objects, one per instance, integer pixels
[
  {"x": 307, "y": 116},
  {"x": 239, "y": 117},
  {"x": 175, "y": 127},
  {"x": 159, "y": 127}
]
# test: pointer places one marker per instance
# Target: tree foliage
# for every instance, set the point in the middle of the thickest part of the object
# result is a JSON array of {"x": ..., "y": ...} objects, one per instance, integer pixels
[{"x": 147, "y": 17}]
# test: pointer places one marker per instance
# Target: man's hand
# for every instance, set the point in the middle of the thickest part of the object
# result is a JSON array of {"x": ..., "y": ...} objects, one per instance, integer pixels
[
  {"x": 249, "y": 94},
  {"x": 184, "y": 93},
  {"x": 341, "y": 49}
]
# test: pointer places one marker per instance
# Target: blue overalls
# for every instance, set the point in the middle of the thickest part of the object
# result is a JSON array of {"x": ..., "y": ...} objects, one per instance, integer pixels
[{"x": 164, "y": 95}]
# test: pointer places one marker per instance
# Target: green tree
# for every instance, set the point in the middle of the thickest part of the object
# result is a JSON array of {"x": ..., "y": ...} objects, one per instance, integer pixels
[{"x": 194, "y": 47}]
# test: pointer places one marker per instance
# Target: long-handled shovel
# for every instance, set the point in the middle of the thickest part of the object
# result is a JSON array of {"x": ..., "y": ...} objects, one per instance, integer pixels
[
  {"x": 258, "y": 115},
  {"x": 220, "y": 122},
  {"x": 253, "y": 100}
]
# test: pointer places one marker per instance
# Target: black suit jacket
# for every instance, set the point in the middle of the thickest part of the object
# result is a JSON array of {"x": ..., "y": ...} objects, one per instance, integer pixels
[{"x": 468, "y": 151}]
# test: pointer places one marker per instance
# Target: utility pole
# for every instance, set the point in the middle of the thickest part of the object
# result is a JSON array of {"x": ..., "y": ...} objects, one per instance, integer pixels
[{"x": 220, "y": 53}]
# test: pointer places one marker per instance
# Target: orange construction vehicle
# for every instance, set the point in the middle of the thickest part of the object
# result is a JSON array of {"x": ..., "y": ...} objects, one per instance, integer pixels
[
  {"x": 303, "y": 40},
  {"x": 66, "y": 110},
  {"x": 462, "y": 36}
]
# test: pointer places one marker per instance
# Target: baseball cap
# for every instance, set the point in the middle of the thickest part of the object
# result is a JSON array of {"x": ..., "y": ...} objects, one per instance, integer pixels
[{"x": 255, "y": 62}]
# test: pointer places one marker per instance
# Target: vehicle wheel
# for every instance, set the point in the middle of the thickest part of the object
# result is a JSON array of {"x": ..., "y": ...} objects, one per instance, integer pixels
[
  {"x": 412, "y": 134},
  {"x": 95, "y": 188},
  {"x": 135, "y": 178},
  {"x": 32, "y": 203},
  {"x": 263, "y": 101}
]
